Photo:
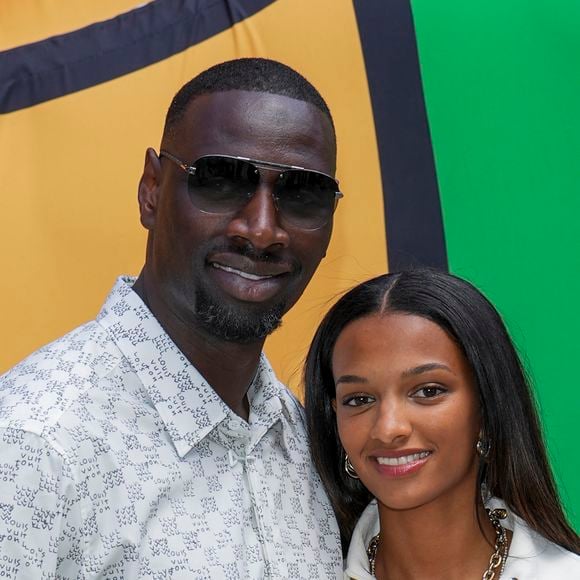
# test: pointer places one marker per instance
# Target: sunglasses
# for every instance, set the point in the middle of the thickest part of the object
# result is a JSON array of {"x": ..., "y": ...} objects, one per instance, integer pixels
[{"x": 222, "y": 184}]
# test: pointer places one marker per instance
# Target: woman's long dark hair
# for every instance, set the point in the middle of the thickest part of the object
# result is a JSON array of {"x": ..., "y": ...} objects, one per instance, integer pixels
[{"x": 517, "y": 468}]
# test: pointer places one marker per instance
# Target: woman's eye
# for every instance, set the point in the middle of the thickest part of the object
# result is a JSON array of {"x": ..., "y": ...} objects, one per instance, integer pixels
[
  {"x": 357, "y": 400},
  {"x": 428, "y": 392}
]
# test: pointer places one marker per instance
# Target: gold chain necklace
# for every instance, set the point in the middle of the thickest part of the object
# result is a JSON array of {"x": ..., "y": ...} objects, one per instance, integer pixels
[{"x": 497, "y": 559}]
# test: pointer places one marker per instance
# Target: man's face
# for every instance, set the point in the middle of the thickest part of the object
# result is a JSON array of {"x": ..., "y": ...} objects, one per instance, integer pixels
[{"x": 234, "y": 274}]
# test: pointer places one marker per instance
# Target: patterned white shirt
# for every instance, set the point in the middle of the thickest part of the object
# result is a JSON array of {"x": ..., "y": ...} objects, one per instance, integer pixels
[{"x": 118, "y": 460}]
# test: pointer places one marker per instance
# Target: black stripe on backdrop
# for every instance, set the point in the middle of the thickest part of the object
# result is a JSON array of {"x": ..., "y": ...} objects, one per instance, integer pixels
[
  {"x": 67, "y": 63},
  {"x": 414, "y": 224}
]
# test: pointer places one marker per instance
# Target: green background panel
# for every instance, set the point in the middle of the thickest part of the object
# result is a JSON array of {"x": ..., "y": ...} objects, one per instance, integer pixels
[{"x": 502, "y": 89}]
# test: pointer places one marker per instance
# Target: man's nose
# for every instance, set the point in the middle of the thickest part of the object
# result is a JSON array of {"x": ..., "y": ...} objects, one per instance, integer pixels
[
  {"x": 258, "y": 221},
  {"x": 392, "y": 422}
]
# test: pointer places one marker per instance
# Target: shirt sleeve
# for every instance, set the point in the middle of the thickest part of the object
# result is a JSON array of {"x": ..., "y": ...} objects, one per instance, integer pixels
[{"x": 40, "y": 514}]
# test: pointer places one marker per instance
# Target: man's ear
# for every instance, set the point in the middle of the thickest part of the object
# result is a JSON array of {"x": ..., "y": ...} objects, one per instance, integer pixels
[{"x": 149, "y": 189}]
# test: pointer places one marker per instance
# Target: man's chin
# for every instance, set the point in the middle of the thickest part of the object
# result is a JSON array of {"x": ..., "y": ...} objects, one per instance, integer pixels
[{"x": 239, "y": 323}]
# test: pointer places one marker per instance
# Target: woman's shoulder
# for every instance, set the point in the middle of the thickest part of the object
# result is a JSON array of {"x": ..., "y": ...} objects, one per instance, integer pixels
[{"x": 531, "y": 556}]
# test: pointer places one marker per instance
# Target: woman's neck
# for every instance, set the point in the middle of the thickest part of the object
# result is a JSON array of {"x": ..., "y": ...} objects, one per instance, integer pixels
[{"x": 440, "y": 540}]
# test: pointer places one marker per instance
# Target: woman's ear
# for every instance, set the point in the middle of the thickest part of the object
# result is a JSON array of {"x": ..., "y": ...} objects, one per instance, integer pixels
[
  {"x": 149, "y": 189},
  {"x": 333, "y": 403}
]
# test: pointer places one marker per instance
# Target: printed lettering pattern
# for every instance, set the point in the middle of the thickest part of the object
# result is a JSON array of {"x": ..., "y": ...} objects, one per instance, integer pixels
[{"x": 117, "y": 460}]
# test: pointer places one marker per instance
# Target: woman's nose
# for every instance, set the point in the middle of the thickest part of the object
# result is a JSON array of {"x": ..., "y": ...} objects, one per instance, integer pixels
[{"x": 392, "y": 423}]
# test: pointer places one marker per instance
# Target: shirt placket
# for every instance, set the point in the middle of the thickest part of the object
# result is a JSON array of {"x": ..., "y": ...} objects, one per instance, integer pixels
[
  {"x": 253, "y": 480},
  {"x": 241, "y": 451}
]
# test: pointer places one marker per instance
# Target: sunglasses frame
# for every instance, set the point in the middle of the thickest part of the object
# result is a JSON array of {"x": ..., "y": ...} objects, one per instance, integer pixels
[{"x": 190, "y": 170}]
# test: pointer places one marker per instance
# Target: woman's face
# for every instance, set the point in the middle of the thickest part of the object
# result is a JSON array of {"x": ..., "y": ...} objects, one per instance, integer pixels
[{"x": 407, "y": 410}]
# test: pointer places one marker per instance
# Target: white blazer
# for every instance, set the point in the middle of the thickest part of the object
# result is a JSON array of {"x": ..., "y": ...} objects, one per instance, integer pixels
[{"x": 531, "y": 556}]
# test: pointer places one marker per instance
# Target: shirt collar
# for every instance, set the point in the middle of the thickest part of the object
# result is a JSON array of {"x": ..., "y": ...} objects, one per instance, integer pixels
[
  {"x": 187, "y": 404},
  {"x": 368, "y": 525},
  {"x": 524, "y": 546},
  {"x": 265, "y": 395}
]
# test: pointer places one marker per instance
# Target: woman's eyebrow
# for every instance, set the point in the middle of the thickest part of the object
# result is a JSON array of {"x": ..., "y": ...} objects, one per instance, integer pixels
[
  {"x": 350, "y": 379},
  {"x": 424, "y": 368}
]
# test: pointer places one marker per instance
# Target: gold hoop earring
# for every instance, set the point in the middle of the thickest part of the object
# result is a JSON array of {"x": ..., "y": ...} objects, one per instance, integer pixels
[{"x": 348, "y": 467}]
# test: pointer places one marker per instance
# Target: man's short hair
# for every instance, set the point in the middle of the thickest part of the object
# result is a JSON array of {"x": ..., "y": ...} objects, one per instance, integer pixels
[{"x": 260, "y": 75}]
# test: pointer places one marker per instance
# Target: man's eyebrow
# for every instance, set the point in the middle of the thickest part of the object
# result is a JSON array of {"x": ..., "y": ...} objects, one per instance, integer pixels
[
  {"x": 350, "y": 379},
  {"x": 424, "y": 368}
]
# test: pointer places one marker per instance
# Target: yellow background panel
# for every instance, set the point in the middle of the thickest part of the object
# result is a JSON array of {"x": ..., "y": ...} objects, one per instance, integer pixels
[
  {"x": 26, "y": 21},
  {"x": 71, "y": 167}
]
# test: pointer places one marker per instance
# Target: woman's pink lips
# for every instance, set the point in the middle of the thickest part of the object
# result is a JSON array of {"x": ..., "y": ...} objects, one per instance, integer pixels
[{"x": 395, "y": 471}]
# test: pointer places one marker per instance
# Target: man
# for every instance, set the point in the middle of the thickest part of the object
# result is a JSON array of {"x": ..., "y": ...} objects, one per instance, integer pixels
[{"x": 156, "y": 441}]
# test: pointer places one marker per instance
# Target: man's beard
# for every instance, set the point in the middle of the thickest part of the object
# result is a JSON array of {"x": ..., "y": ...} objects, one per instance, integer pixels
[{"x": 236, "y": 323}]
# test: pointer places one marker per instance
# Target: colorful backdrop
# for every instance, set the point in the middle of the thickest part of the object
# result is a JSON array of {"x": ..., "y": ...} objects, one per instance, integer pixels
[{"x": 459, "y": 137}]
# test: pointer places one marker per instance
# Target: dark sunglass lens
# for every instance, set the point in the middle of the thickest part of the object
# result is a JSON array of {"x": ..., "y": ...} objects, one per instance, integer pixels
[
  {"x": 306, "y": 199},
  {"x": 222, "y": 184}
]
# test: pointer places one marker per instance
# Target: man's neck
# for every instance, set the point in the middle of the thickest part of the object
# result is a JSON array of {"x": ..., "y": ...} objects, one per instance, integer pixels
[{"x": 228, "y": 367}]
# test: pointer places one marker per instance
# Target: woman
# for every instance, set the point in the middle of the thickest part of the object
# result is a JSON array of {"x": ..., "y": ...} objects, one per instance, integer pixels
[{"x": 425, "y": 434}]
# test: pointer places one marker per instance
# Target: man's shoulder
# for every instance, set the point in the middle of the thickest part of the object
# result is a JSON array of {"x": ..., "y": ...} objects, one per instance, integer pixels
[{"x": 37, "y": 391}]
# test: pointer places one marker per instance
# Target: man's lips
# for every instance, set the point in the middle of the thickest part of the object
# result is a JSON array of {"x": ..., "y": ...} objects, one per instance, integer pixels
[
  {"x": 248, "y": 268},
  {"x": 246, "y": 275},
  {"x": 249, "y": 279}
]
